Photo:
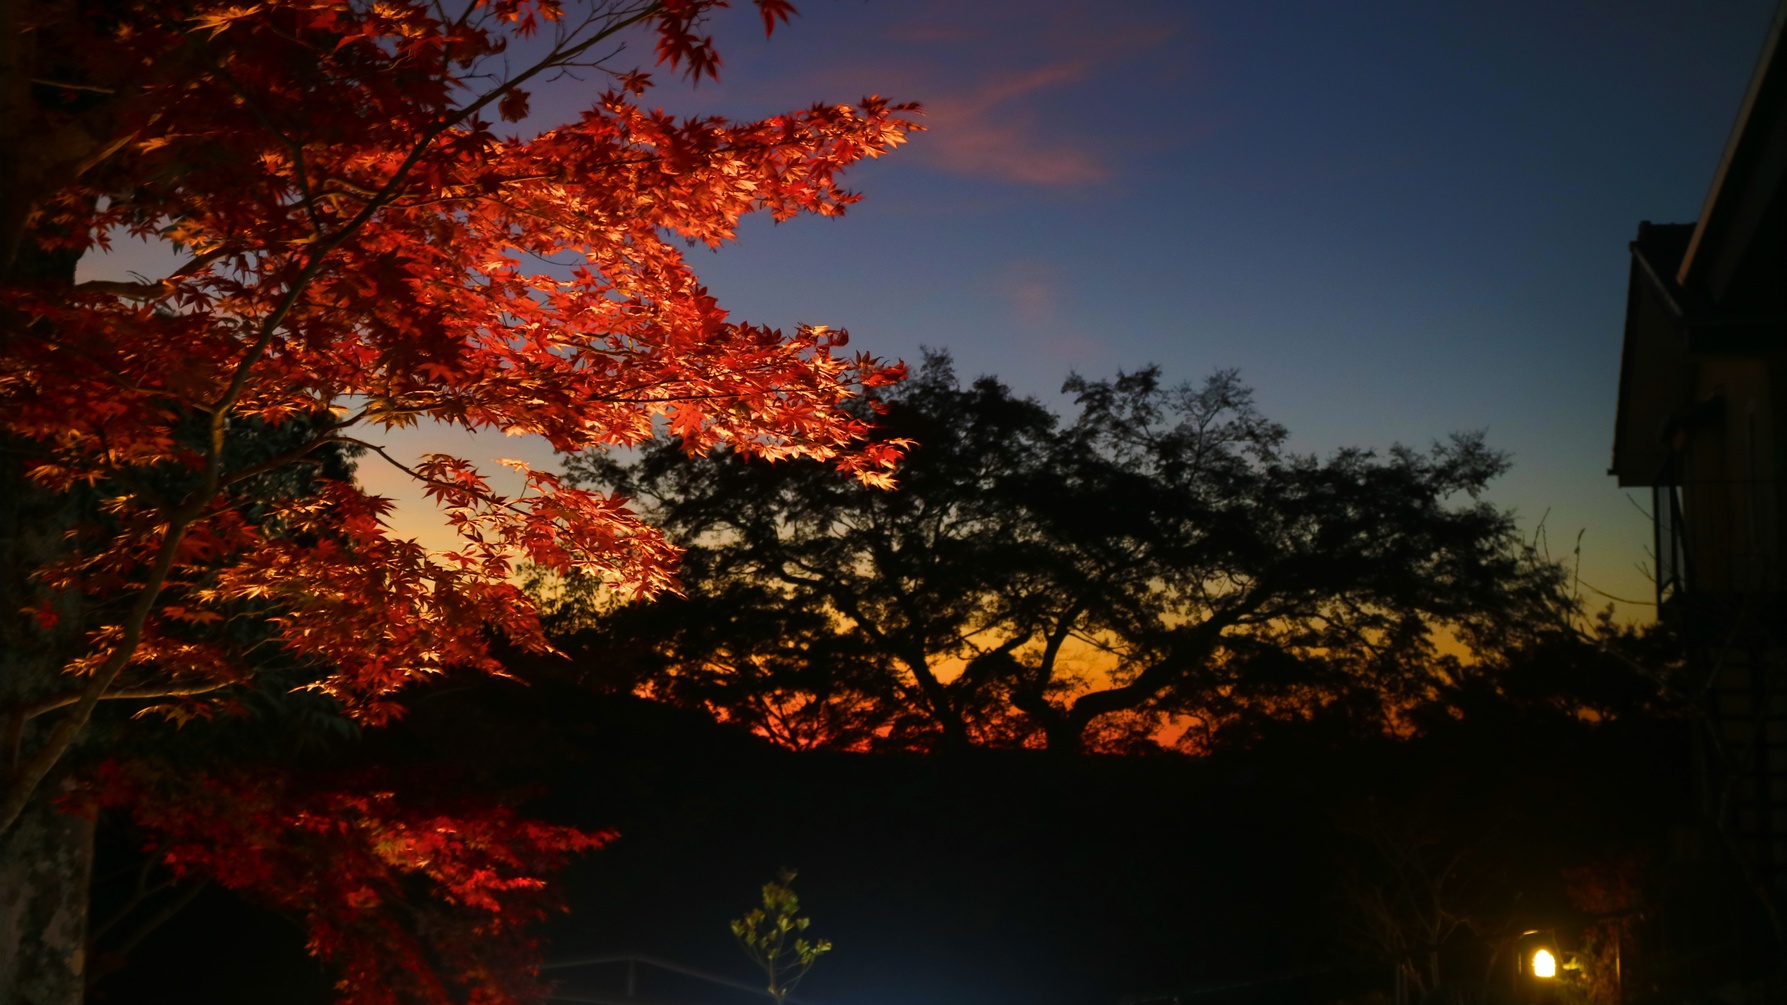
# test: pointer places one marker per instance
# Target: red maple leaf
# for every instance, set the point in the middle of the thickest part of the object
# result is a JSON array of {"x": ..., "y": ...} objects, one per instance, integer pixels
[{"x": 357, "y": 246}]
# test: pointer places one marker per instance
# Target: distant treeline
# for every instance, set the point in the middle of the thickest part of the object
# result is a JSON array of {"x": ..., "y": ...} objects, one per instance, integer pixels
[{"x": 1156, "y": 571}]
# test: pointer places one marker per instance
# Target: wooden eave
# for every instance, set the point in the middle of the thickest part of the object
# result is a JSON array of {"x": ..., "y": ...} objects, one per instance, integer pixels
[
  {"x": 1737, "y": 240},
  {"x": 1722, "y": 292},
  {"x": 1653, "y": 378}
]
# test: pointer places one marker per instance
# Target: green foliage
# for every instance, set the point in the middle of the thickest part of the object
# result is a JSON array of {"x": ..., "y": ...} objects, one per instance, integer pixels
[{"x": 772, "y": 937}]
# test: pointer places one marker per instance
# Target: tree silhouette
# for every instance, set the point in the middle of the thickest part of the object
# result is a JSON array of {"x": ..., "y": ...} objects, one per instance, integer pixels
[{"x": 1036, "y": 581}]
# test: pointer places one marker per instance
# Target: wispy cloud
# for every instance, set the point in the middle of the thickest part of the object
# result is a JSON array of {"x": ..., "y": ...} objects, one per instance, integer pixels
[
  {"x": 996, "y": 108},
  {"x": 1041, "y": 299},
  {"x": 1004, "y": 85},
  {"x": 1033, "y": 291},
  {"x": 991, "y": 130}
]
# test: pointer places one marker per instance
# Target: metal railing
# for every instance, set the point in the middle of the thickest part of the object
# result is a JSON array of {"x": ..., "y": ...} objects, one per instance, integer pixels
[{"x": 633, "y": 962}]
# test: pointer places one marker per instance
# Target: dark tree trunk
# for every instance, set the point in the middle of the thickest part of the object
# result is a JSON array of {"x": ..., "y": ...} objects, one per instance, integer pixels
[
  {"x": 46, "y": 871},
  {"x": 46, "y": 855}
]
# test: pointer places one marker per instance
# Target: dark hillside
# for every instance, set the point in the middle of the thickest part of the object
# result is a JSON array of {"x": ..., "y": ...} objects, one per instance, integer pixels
[{"x": 1014, "y": 877}]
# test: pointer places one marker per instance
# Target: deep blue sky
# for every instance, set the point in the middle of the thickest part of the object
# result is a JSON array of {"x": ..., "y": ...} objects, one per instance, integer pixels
[{"x": 1397, "y": 219}]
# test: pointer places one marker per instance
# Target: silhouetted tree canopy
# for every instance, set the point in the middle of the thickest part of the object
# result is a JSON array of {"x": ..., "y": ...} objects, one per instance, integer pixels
[{"x": 1156, "y": 562}]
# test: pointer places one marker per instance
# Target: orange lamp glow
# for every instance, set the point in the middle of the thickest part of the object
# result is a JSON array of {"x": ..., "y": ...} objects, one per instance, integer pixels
[{"x": 1544, "y": 964}]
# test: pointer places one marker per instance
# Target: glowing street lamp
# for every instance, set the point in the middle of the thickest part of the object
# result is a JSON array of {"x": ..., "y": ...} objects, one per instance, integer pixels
[{"x": 1536, "y": 966}]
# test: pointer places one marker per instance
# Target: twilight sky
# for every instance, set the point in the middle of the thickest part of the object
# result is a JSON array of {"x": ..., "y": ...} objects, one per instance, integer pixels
[{"x": 1397, "y": 219}]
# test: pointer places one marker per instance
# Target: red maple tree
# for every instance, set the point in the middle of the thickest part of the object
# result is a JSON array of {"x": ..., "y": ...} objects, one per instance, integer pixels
[{"x": 357, "y": 231}]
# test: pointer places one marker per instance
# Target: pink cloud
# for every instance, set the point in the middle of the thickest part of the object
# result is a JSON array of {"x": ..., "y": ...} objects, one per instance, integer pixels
[
  {"x": 990, "y": 131},
  {"x": 1040, "y": 297},
  {"x": 1033, "y": 290},
  {"x": 992, "y": 77}
]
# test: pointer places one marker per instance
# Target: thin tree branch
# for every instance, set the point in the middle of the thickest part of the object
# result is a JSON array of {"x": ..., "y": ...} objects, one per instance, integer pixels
[{"x": 67, "y": 698}]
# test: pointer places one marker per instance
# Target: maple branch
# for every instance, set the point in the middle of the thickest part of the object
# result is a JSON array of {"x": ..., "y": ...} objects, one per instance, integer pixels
[
  {"x": 486, "y": 497},
  {"x": 23, "y": 779},
  {"x": 158, "y": 290},
  {"x": 69, "y": 86},
  {"x": 129, "y": 291},
  {"x": 560, "y": 56},
  {"x": 440, "y": 12},
  {"x": 350, "y": 188},
  {"x": 34, "y": 709},
  {"x": 301, "y": 282},
  {"x": 201, "y": 261},
  {"x": 152, "y": 392},
  {"x": 640, "y": 159},
  {"x": 297, "y": 149},
  {"x": 386, "y": 193},
  {"x": 295, "y": 454},
  {"x": 630, "y": 395},
  {"x": 15, "y": 736},
  {"x": 113, "y": 959},
  {"x": 44, "y": 156},
  {"x": 142, "y": 892},
  {"x": 27, "y": 772}
]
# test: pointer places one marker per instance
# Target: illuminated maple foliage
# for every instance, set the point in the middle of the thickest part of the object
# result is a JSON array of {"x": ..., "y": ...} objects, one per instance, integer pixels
[
  {"x": 358, "y": 232},
  {"x": 409, "y": 899}
]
